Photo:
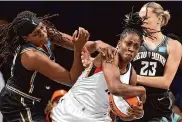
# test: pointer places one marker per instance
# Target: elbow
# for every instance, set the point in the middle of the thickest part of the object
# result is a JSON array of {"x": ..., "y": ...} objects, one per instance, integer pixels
[
  {"x": 167, "y": 83},
  {"x": 117, "y": 89},
  {"x": 112, "y": 88},
  {"x": 72, "y": 82},
  {"x": 113, "y": 91},
  {"x": 67, "y": 80},
  {"x": 166, "y": 86}
]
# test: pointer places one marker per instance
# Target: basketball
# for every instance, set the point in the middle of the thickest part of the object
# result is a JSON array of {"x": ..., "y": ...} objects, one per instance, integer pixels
[
  {"x": 119, "y": 105},
  {"x": 58, "y": 94}
]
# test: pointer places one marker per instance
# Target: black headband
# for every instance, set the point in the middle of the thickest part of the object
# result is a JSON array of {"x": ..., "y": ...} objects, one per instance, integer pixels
[{"x": 28, "y": 26}]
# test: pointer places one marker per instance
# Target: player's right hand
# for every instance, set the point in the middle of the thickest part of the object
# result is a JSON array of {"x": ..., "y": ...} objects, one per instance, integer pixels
[
  {"x": 136, "y": 111},
  {"x": 80, "y": 37}
]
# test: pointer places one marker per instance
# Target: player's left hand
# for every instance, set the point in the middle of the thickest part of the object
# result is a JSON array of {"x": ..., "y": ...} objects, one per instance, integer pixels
[{"x": 106, "y": 50}]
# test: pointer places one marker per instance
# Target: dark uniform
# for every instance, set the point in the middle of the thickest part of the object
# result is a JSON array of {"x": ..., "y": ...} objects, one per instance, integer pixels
[
  {"x": 27, "y": 92},
  {"x": 151, "y": 63}
]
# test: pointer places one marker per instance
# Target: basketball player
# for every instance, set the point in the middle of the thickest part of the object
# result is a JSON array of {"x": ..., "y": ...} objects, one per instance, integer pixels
[
  {"x": 87, "y": 100},
  {"x": 31, "y": 83},
  {"x": 156, "y": 64}
]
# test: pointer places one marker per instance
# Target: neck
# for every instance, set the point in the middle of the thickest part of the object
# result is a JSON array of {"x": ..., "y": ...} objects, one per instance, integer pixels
[
  {"x": 122, "y": 65},
  {"x": 158, "y": 36}
]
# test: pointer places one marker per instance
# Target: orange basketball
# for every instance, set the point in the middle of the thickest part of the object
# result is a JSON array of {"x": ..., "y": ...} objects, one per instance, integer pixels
[
  {"x": 58, "y": 93},
  {"x": 119, "y": 105}
]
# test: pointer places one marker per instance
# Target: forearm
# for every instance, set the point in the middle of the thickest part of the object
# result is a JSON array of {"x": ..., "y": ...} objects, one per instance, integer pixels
[
  {"x": 129, "y": 90},
  {"x": 61, "y": 39},
  {"x": 92, "y": 45},
  {"x": 77, "y": 67},
  {"x": 65, "y": 40},
  {"x": 157, "y": 82}
]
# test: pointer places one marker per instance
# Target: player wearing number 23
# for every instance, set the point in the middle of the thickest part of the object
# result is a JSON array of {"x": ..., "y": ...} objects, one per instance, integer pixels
[{"x": 156, "y": 64}]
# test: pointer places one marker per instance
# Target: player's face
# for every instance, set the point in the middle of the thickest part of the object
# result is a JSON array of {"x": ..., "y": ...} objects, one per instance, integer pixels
[
  {"x": 39, "y": 35},
  {"x": 151, "y": 20},
  {"x": 129, "y": 46}
]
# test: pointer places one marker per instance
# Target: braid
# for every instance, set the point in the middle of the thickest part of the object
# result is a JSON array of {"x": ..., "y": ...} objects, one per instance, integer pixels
[
  {"x": 9, "y": 38},
  {"x": 8, "y": 42}
]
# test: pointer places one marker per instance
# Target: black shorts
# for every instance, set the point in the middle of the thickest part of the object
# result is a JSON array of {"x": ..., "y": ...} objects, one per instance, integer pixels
[
  {"x": 157, "y": 108},
  {"x": 16, "y": 108}
]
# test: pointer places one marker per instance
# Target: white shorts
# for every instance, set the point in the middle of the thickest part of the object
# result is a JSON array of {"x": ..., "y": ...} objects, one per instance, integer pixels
[{"x": 70, "y": 110}]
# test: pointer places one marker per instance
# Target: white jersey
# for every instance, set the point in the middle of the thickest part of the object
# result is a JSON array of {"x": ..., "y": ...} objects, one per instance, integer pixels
[{"x": 91, "y": 92}]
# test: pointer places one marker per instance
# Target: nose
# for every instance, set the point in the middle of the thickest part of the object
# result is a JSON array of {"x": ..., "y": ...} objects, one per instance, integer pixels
[{"x": 131, "y": 49}]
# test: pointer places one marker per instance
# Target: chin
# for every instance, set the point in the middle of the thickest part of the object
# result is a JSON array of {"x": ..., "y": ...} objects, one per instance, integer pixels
[{"x": 128, "y": 60}]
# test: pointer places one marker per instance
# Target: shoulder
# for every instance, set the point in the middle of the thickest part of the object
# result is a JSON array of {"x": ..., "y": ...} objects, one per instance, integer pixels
[
  {"x": 174, "y": 46},
  {"x": 30, "y": 59}
]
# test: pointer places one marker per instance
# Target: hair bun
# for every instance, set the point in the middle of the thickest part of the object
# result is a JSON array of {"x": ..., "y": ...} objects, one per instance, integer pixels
[{"x": 133, "y": 20}]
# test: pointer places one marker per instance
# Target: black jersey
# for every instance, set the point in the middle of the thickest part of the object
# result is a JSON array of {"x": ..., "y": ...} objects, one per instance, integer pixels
[
  {"x": 151, "y": 63},
  {"x": 31, "y": 84}
]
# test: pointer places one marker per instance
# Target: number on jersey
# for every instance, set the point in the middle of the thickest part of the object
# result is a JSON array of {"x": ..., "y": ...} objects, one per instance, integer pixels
[{"x": 145, "y": 71}]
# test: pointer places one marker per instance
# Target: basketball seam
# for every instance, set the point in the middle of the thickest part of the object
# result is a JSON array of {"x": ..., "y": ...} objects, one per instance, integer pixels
[{"x": 117, "y": 107}]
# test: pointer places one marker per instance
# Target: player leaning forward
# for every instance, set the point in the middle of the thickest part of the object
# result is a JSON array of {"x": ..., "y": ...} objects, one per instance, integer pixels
[{"x": 88, "y": 99}]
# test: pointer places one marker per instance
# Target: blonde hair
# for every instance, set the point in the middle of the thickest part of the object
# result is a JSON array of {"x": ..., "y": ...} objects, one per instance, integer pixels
[{"x": 159, "y": 11}]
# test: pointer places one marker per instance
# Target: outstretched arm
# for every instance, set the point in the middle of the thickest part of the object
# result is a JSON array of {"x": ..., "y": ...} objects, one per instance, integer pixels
[{"x": 65, "y": 40}]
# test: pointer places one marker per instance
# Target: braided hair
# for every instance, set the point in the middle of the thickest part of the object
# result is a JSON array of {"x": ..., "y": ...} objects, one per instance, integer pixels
[
  {"x": 11, "y": 34},
  {"x": 133, "y": 24}
]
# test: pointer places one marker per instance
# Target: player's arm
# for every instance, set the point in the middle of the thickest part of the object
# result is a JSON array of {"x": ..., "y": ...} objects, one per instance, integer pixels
[
  {"x": 34, "y": 60},
  {"x": 112, "y": 76},
  {"x": 65, "y": 40},
  {"x": 173, "y": 61}
]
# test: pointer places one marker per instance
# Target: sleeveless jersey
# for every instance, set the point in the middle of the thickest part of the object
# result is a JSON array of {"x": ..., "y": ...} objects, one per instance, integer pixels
[
  {"x": 31, "y": 84},
  {"x": 151, "y": 63},
  {"x": 91, "y": 89}
]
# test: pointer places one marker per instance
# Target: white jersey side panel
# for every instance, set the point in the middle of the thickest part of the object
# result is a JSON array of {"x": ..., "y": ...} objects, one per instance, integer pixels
[{"x": 93, "y": 92}]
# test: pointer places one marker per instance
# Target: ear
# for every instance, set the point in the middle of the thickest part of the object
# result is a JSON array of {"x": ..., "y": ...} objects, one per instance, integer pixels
[
  {"x": 118, "y": 45},
  {"x": 160, "y": 19}
]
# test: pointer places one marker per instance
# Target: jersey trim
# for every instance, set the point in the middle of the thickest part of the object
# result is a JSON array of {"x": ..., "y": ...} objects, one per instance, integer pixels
[
  {"x": 92, "y": 70},
  {"x": 131, "y": 70},
  {"x": 22, "y": 93}
]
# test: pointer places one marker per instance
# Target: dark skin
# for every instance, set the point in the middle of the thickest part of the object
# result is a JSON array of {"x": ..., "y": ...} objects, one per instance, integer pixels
[
  {"x": 65, "y": 40},
  {"x": 128, "y": 48},
  {"x": 35, "y": 60}
]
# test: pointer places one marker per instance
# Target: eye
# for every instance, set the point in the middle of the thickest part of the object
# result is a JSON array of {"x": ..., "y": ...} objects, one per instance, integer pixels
[
  {"x": 136, "y": 46},
  {"x": 128, "y": 43}
]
